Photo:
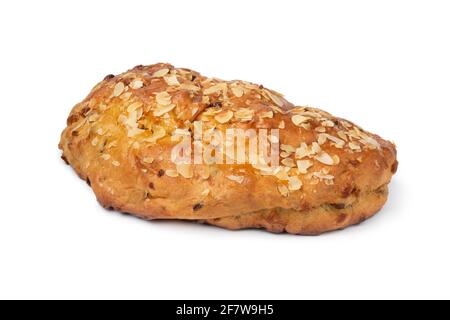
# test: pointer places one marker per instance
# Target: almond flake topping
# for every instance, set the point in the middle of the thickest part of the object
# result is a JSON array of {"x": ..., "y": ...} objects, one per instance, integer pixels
[
  {"x": 288, "y": 162},
  {"x": 106, "y": 156},
  {"x": 134, "y": 106},
  {"x": 162, "y": 110},
  {"x": 268, "y": 115},
  {"x": 322, "y": 138},
  {"x": 299, "y": 119},
  {"x": 324, "y": 158},
  {"x": 237, "y": 91},
  {"x": 304, "y": 165},
  {"x": 244, "y": 114},
  {"x": 163, "y": 98},
  {"x": 185, "y": 170},
  {"x": 172, "y": 80},
  {"x": 283, "y": 190},
  {"x": 278, "y": 100},
  {"x": 287, "y": 148},
  {"x": 215, "y": 88},
  {"x": 161, "y": 73},
  {"x": 172, "y": 173},
  {"x": 354, "y": 146},
  {"x": 94, "y": 141},
  {"x": 148, "y": 160},
  {"x": 224, "y": 117},
  {"x": 118, "y": 89},
  {"x": 295, "y": 184},
  {"x": 238, "y": 179},
  {"x": 136, "y": 84},
  {"x": 116, "y": 163},
  {"x": 190, "y": 87}
]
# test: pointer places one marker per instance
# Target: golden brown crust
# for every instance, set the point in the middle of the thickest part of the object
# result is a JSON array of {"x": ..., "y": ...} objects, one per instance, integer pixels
[{"x": 121, "y": 136}]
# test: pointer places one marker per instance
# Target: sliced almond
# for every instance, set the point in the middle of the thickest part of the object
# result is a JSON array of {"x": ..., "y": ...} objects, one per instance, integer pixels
[
  {"x": 336, "y": 160},
  {"x": 118, "y": 89},
  {"x": 354, "y": 146},
  {"x": 283, "y": 190},
  {"x": 224, "y": 117},
  {"x": 163, "y": 98},
  {"x": 295, "y": 184},
  {"x": 287, "y": 148},
  {"x": 324, "y": 158},
  {"x": 185, "y": 170},
  {"x": 237, "y": 91},
  {"x": 161, "y": 73},
  {"x": 304, "y": 165},
  {"x": 190, "y": 87},
  {"x": 244, "y": 114},
  {"x": 266, "y": 115},
  {"x": 134, "y": 106},
  {"x": 315, "y": 148},
  {"x": 148, "y": 160},
  {"x": 163, "y": 110},
  {"x": 94, "y": 141},
  {"x": 106, "y": 156},
  {"x": 115, "y": 163},
  {"x": 171, "y": 173},
  {"x": 172, "y": 80},
  {"x": 275, "y": 98},
  {"x": 136, "y": 84},
  {"x": 322, "y": 138},
  {"x": 238, "y": 179},
  {"x": 321, "y": 129},
  {"x": 288, "y": 162},
  {"x": 216, "y": 88},
  {"x": 299, "y": 119},
  {"x": 302, "y": 152},
  {"x": 342, "y": 135}
]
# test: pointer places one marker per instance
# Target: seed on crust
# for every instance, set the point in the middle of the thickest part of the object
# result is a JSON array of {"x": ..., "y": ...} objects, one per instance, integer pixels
[{"x": 116, "y": 163}]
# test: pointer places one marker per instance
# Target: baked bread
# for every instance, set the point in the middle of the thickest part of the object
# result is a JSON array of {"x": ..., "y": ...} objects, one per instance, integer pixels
[{"x": 120, "y": 140}]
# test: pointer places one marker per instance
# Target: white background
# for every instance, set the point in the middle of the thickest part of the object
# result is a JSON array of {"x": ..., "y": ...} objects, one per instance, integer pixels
[{"x": 383, "y": 64}]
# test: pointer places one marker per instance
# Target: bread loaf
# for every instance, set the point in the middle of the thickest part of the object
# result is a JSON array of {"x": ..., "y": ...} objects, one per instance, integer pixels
[{"x": 121, "y": 139}]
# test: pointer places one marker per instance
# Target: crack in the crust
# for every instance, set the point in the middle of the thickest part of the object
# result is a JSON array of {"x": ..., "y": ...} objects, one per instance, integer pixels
[{"x": 327, "y": 206}]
